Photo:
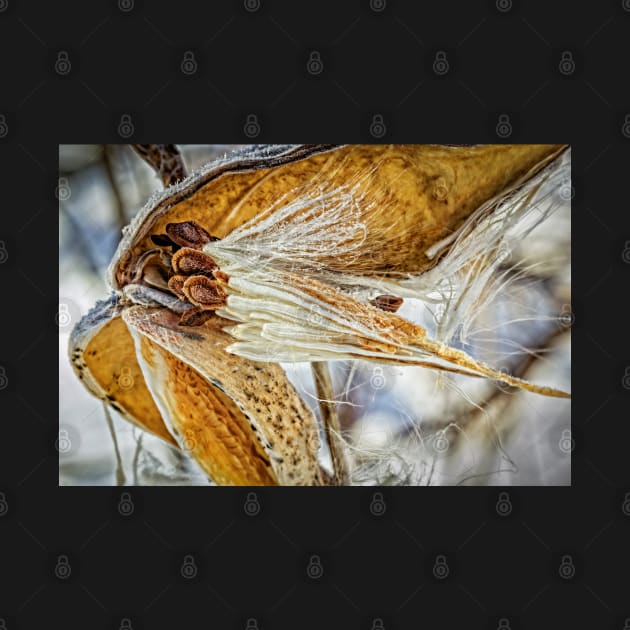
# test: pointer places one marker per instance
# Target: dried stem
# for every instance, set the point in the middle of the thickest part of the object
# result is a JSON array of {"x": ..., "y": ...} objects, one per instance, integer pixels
[
  {"x": 136, "y": 458},
  {"x": 120, "y": 473},
  {"x": 323, "y": 385},
  {"x": 164, "y": 159}
]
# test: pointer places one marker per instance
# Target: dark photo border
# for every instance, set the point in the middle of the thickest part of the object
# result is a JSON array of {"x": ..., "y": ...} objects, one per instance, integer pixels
[{"x": 383, "y": 71}]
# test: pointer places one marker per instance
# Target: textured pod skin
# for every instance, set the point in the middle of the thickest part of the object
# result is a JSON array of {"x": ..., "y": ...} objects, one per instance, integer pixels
[
  {"x": 103, "y": 357},
  {"x": 243, "y": 416},
  {"x": 241, "y": 420}
]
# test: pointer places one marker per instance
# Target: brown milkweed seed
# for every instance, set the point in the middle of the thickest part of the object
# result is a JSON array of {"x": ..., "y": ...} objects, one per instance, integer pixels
[
  {"x": 189, "y": 234},
  {"x": 389, "y": 303},
  {"x": 202, "y": 291},
  {"x": 176, "y": 285},
  {"x": 189, "y": 261}
]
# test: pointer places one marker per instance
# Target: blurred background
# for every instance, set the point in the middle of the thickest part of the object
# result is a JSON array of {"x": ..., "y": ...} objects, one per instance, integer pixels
[{"x": 402, "y": 425}]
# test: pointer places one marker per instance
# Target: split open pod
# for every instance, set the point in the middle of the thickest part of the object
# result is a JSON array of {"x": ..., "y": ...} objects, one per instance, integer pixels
[{"x": 295, "y": 253}]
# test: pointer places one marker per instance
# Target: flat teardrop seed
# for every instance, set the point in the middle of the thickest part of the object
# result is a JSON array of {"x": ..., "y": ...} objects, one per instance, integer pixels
[
  {"x": 202, "y": 291},
  {"x": 188, "y": 261},
  {"x": 176, "y": 286},
  {"x": 388, "y": 303},
  {"x": 189, "y": 234}
]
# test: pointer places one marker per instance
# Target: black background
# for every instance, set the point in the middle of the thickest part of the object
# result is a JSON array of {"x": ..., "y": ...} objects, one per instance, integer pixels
[{"x": 375, "y": 62}]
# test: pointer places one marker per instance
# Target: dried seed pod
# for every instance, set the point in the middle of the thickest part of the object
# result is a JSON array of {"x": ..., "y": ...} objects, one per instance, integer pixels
[
  {"x": 103, "y": 356},
  {"x": 297, "y": 225},
  {"x": 242, "y": 421},
  {"x": 431, "y": 190}
]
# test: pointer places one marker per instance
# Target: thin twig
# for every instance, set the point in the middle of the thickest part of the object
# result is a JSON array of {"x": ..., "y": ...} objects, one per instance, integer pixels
[
  {"x": 120, "y": 473},
  {"x": 323, "y": 385},
  {"x": 136, "y": 458}
]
